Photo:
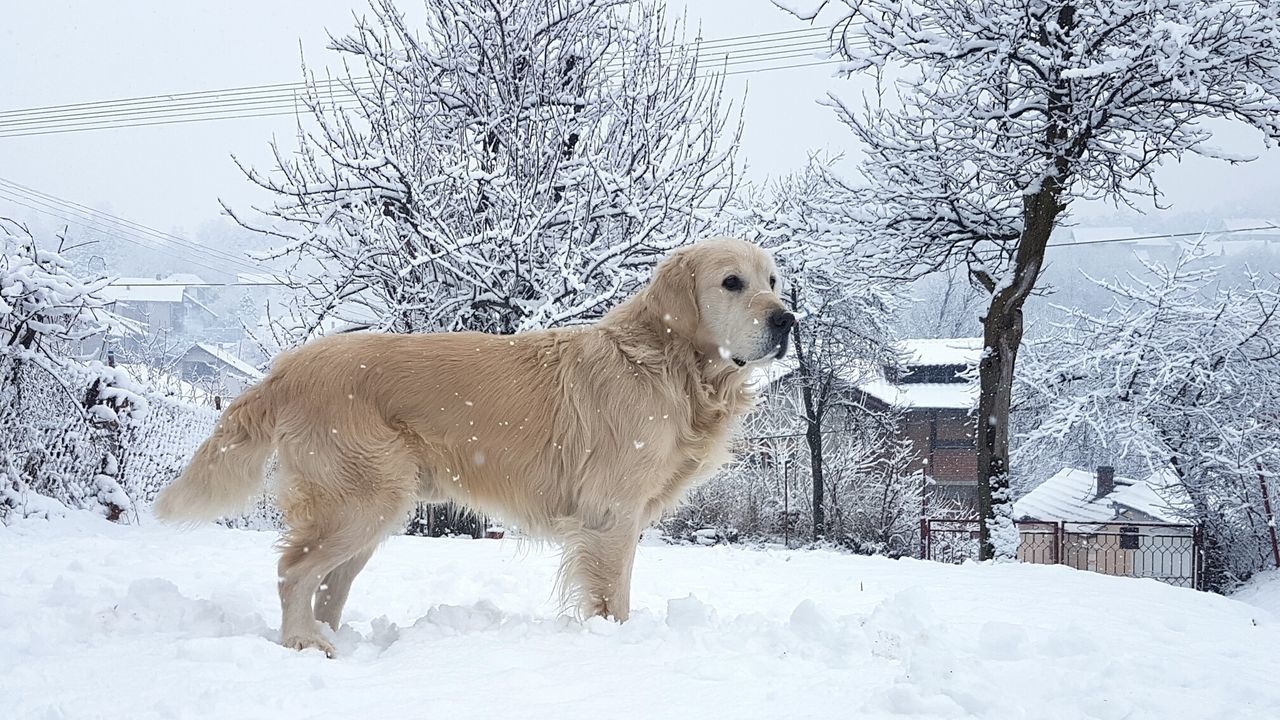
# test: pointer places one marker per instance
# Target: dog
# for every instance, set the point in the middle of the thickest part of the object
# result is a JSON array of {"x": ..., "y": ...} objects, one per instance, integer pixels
[{"x": 580, "y": 435}]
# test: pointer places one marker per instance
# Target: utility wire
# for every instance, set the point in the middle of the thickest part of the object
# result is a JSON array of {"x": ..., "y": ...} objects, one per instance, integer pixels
[
  {"x": 291, "y": 108},
  {"x": 290, "y": 94},
  {"x": 78, "y": 221},
  {"x": 1160, "y": 236},
  {"x": 127, "y": 226},
  {"x": 707, "y": 46},
  {"x": 281, "y": 283},
  {"x": 121, "y": 228},
  {"x": 736, "y": 55},
  {"x": 284, "y": 99}
]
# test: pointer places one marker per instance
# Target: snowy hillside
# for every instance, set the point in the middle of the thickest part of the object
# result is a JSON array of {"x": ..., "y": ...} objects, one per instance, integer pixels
[{"x": 102, "y": 621}]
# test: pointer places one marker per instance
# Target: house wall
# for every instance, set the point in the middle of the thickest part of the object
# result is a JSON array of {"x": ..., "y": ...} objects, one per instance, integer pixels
[
  {"x": 1163, "y": 551},
  {"x": 945, "y": 450},
  {"x": 158, "y": 316}
]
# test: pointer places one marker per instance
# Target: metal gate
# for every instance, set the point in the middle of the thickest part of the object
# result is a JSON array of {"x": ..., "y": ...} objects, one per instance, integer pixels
[{"x": 1168, "y": 552}]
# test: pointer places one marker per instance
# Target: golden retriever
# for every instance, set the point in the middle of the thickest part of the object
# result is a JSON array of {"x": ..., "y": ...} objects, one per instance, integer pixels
[{"x": 580, "y": 435}]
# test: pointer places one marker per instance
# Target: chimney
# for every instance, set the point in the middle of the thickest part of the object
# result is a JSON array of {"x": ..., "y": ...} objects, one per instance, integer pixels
[{"x": 1106, "y": 481}]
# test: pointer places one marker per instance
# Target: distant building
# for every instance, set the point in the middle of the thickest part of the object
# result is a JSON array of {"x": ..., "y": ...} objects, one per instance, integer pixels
[
  {"x": 935, "y": 388},
  {"x": 161, "y": 305},
  {"x": 213, "y": 367},
  {"x": 1115, "y": 525}
]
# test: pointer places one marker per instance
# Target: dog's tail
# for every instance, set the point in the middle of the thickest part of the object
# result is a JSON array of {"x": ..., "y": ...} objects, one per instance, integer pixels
[{"x": 228, "y": 469}]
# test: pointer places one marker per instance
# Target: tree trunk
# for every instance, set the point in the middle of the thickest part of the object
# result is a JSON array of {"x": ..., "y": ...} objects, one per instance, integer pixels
[
  {"x": 813, "y": 436},
  {"x": 812, "y": 425},
  {"x": 1002, "y": 336}
]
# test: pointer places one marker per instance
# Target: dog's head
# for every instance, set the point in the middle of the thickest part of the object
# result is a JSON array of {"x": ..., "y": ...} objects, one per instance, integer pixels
[{"x": 722, "y": 295}]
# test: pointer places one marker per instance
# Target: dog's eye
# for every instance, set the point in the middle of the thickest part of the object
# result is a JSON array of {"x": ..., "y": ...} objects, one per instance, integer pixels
[
  {"x": 773, "y": 281},
  {"x": 733, "y": 283}
]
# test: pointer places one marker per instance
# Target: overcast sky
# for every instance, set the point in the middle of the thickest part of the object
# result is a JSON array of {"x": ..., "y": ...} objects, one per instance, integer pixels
[{"x": 171, "y": 176}]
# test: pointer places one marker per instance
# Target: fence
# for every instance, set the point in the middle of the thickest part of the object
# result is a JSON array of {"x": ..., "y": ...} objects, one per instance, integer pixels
[{"x": 1168, "y": 552}]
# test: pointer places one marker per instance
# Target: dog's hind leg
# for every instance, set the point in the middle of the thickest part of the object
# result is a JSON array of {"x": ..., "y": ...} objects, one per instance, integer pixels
[
  {"x": 334, "y": 534},
  {"x": 332, "y": 595}
]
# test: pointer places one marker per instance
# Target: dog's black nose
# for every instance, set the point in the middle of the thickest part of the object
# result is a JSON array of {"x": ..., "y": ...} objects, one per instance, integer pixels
[{"x": 781, "y": 320}]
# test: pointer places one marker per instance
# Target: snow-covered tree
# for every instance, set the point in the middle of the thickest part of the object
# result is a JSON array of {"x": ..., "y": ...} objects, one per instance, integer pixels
[
  {"x": 54, "y": 406},
  {"x": 1182, "y": 373},
  {"x": 46, "y": 311},
  {"x": 992, "y": 116},
  {"x": 884, "y": 501},
  {"x": 942, "y": 304},
  {"x": 508, "y": 164},
  {"x": 845, "y": 309}
]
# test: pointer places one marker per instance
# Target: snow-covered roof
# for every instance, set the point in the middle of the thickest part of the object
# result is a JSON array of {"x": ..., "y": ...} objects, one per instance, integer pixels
[
  {"x": 940, "y": 351},
  {"x": 232, "y": 361},
  {"x": 148, "y": 289},
  {"x": 1160, "y": 495},
  {"x": 938, "y": 396},
  {"x": 186, "y": 278},
  {"x": 143, "y": 290},
  {"x": 1070, "y": 495}
]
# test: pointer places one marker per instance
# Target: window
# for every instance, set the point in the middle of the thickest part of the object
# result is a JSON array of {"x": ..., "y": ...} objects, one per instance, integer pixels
[{"x": 1129, "y": 538}]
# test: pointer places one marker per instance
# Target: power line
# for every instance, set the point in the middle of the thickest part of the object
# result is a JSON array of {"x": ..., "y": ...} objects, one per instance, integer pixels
[
  {"x": 289, "y": 108},
  {"x": 237, "y": 283},
  {"x": 786, "y": 67},
  {"x": 1160, "y": 236},
  {"x": 284, "y": 98},
  {"x": 764, "y": 50},
  {"x": 134, "y": 232},
  {"x": 700, "y": 46},
  {"x": 127, "y": 226},
  {"x": 290, "y": 283},
  {"x": 95, "y": 228}
]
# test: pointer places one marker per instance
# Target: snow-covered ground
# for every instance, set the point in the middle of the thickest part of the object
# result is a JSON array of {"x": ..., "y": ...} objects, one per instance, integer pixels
[{"x": 103, "y": 621}]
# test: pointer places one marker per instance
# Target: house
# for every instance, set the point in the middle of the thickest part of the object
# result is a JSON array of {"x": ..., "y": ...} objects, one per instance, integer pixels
[
  {"x": 167, "y": 304},
  {"x": 1110, "y": 524},
  {"x": 935, "y": 390},
  {"x": 214, "y": 367}
]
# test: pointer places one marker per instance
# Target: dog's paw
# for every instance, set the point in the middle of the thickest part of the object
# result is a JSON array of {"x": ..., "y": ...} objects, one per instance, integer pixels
[{"x": 302, "y": 642}]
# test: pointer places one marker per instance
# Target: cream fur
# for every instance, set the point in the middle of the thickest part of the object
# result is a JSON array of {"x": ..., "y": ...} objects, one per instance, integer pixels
[{"x": 583, "y": 435}]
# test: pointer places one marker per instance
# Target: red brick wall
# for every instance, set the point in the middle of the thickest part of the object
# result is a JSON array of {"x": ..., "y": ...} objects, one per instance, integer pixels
[{"x": 926, "y": 429}]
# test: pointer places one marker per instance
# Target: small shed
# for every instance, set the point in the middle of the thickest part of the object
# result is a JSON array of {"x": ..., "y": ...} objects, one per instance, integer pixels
[
  {"x": 1115, "y": 525},
  {"x": 212, "y": 365}
]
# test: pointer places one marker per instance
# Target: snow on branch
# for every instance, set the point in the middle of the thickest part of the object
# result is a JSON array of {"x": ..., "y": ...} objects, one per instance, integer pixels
[{"x": 501, "y": 171}]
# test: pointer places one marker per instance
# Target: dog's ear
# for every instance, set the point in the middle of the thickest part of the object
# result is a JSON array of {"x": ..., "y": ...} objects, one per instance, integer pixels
[{"x": 672, "y": 295}]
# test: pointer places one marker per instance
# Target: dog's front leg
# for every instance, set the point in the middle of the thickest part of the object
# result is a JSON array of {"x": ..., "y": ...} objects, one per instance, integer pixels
[{"x": 597, "y": 564}]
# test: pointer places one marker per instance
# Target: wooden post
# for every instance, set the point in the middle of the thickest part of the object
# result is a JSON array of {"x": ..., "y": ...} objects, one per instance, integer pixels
[{"x": 786, "y": 501}]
